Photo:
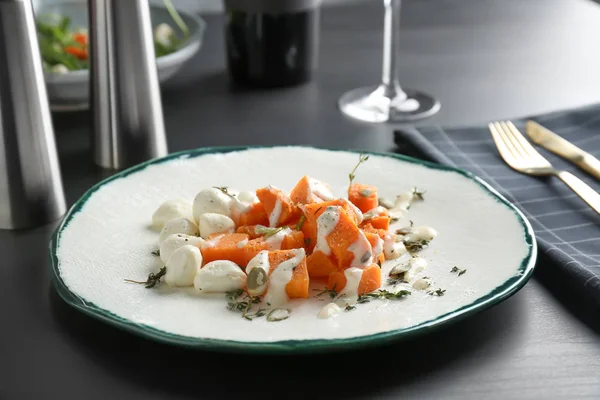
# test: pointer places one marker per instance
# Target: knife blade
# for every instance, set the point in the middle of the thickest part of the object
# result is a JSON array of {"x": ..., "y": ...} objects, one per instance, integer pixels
[{"x": 563, "y": 148}]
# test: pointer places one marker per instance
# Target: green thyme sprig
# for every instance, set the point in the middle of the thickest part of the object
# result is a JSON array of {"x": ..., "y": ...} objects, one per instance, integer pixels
[
  {"x": 362, "y": 158},
  {"x": 153, "y": 278},
  {"x": 383, "y": 294},
  {"x": 458, "y": 271}
]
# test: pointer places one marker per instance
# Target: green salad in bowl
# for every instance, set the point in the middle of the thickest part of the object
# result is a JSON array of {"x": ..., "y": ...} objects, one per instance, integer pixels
[
  {"x": 63, "y": 41},
  {"x": 64, "y": 48}
]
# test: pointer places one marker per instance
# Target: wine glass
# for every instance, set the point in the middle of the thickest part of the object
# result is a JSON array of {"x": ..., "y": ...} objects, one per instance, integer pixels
[{"x": 388, "y": 101}]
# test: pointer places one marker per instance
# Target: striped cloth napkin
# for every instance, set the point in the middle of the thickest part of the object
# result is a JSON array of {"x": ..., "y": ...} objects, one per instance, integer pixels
[{"x": 567, "y": 229}]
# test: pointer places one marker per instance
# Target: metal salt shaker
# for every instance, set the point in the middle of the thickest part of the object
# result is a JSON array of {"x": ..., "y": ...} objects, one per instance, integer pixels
[
  {"x": 124, "y": 90},
  {"x": 31, "y": 191}
]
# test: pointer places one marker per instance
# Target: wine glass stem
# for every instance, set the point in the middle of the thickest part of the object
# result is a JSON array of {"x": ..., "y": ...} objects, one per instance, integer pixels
[{"x": 391, "y": 32}]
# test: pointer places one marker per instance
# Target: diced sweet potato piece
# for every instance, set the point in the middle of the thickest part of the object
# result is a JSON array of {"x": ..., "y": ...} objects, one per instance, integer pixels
[
  {"x": 295, "y": 240},
  {"x": 255, "y": 214},
  {"x": 377, "y": 246},
  {"x": 278, "y": 206},
  {"x": 347, "y": 241},
  {"x": 309, "y": 190},
  {"x": 320, "y": 265},
  {"x": 363, "y": 196},
  {"x": 370, "y": 228},
  {"x": 251, "y": 230},
  {"x": 234, "y": 247},
  {"x": 313, "y": 211},
  {"x": 369, "y": 281},
  {"x": 297, "y": 287}
]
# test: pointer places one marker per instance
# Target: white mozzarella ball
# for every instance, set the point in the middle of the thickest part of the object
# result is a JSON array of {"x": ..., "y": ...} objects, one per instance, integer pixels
[
  {"x": 220, "y": 276},
  {"x": 169, "y": 210},
  {"x": 183, "y": 266},
  {"x": 175, "y": 241},
  {"x": 215, "y": 223},
  {"x": 211, "y": 200},
  {"x": 178, "y": 225}
]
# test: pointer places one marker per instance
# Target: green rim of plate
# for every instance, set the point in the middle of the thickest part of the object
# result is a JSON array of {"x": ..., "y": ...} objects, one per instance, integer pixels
[{"x": 499, "y": 294}]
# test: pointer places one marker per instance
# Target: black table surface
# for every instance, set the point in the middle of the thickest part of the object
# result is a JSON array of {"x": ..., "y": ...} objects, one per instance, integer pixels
[{"x": 484, "y": 59}]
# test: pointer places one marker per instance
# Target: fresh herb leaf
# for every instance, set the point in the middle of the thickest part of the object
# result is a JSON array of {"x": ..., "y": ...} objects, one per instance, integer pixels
[
  {"x": 418, "y": 194},
  {"x": 241, "y": 301},
  {"x": 362, "y": 158},
  {"x": 176, "y": 17},
  {"x": 349, "y": 307},
  {"x": 156, "y": 253},
  {"x": 301, "y": 223},
  {"x": 153, "y": 278},
  {"x": 268, "y": 232},
  {"x": 457, "y": 270},
  {"x": 383, "y": 294},
  {"x": 439, "y": 292},
  {"x": 307, "y": 242},
  {"x": 332, "y": 293},
  {"x": 318, "y": 209}
]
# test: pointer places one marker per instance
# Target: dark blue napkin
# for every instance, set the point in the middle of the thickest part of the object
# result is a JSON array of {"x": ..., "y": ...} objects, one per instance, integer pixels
[{"x": 567, "y": 229}]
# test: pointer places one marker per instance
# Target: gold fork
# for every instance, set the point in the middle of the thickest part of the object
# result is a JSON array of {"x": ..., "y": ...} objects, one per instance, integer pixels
[{"x": 521, "y": 156}]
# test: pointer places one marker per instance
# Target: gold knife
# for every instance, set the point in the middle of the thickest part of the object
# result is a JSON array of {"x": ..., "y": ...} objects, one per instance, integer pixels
[{"x": 554, "y": 143}]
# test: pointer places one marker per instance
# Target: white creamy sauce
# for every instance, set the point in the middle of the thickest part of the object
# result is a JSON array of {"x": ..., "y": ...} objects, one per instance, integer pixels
[
  {"x": 359, "y": 215},
  {"x": 261, "y": 260},
  {"x": 363, "y": 253},
  {"x": 280, "y": 277},
  {"x": 319, "y": 189},
  {"x": 212, "y": 242},
  {"x": 378, "y": 248},
  {"x": 274, "y": 241},
  {"x": 275, "y": 214},
  {"x": 242, "y": 243},
  {"x": 403, "y": 201},
  {"x": 393, "y": 248},
  {"x": 417, "y": 265},
  {"x": 375, "y": 212},
  {"x": 329, "y": 310},
  {"x": 326, "y": 223},
  {"x": 350, "y": 292},
  {"x": 421, "y": 233},
  {"x": 421, "y": 284}
]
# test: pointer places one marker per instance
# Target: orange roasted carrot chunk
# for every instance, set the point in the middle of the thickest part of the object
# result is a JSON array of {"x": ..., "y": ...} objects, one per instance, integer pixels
[
  {"x": 254, "y": 214},
  {"x": 309, "y": 190},
  {"x": 234, "y": 247},
  {"x": 297, "y": 287},
  {"x": 320, "y": 265},
  {"x": 380, "y": 220},
  {"x": 347, "y": 241},
  {"x": 295, "y": 240},
  {"x": 313, "y": 211},
  {"x": 278, "y": 206},
  {"x": 363, "y": 196},
  {"x": 377, "y": 246},
  {"x": 369, "y": 281}
]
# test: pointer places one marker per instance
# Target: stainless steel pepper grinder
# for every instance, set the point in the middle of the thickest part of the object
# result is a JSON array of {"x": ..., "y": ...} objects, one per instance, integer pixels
[
  {"x": 31, "y": 191},
  {"x": 128, "y": 125}
]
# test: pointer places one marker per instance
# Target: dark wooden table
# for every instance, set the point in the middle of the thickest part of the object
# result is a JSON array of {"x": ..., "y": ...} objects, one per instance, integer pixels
[{"x": 485, "y": 59}]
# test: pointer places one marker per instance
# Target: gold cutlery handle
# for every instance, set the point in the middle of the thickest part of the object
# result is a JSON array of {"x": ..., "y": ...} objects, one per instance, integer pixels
[
  {"x": 582, "y": 189},
  {"x": 589, "y": 164}
]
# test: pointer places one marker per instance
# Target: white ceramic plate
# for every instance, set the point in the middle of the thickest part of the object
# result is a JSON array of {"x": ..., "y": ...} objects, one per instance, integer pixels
[{"x": 106, "y": 237}]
